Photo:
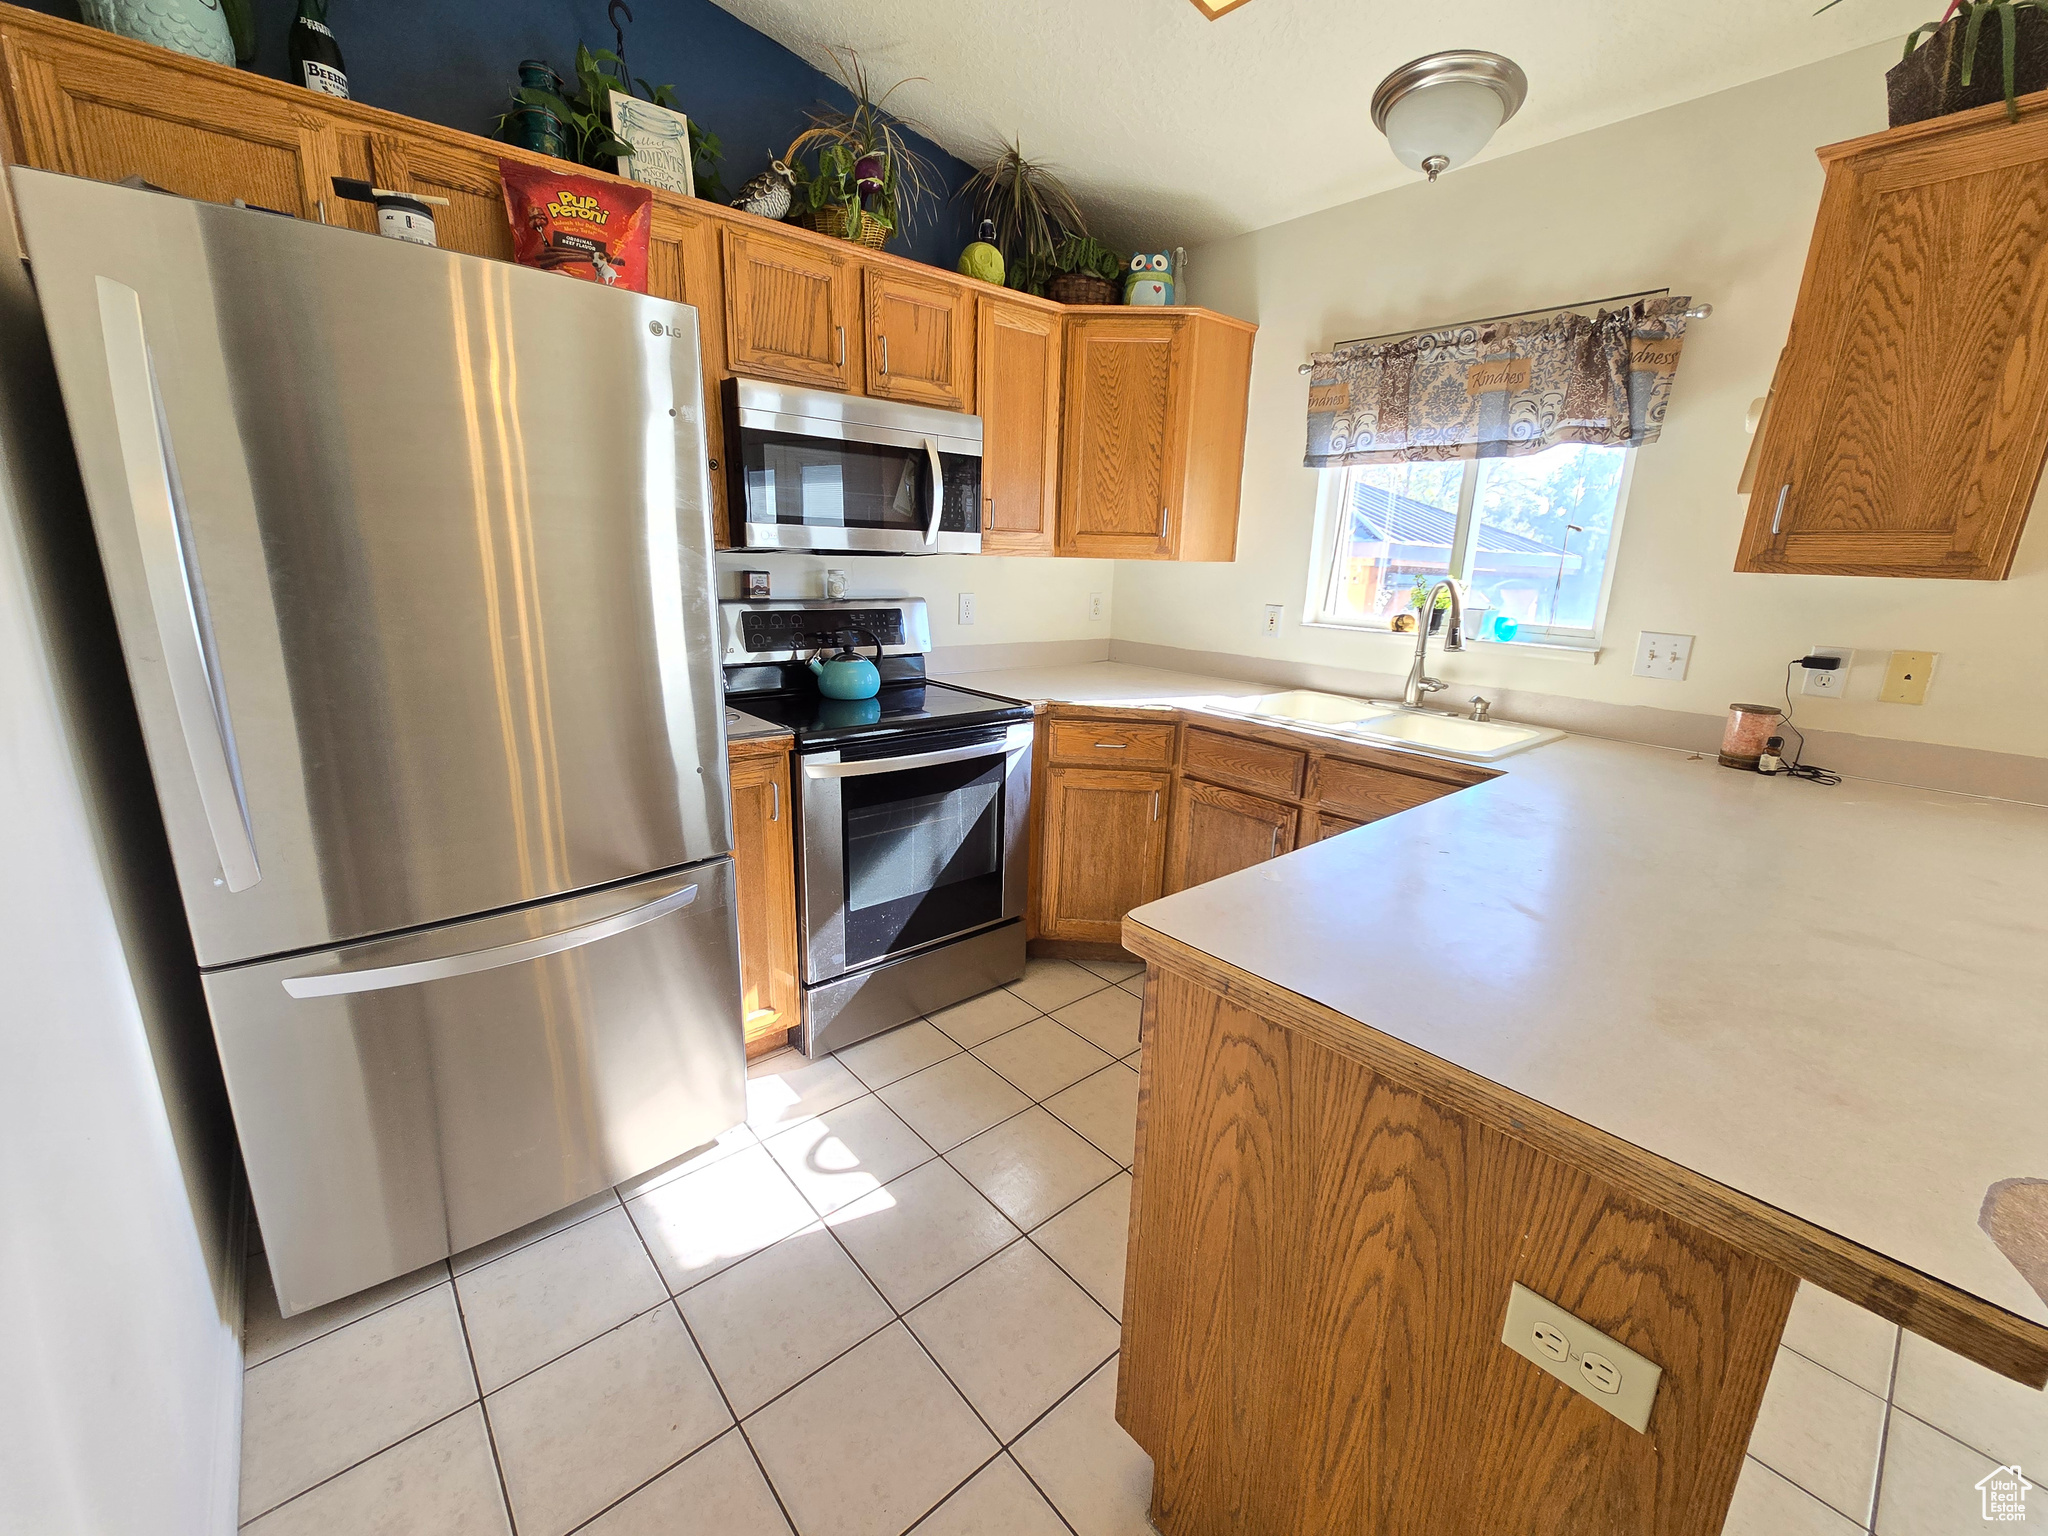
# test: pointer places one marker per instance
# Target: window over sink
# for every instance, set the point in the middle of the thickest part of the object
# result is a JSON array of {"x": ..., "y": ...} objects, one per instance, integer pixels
[{"x": 1532, "y": 539}]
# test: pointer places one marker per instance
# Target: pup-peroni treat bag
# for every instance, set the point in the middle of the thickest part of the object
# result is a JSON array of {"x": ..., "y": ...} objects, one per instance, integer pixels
[{"x": 581, "y": 225}]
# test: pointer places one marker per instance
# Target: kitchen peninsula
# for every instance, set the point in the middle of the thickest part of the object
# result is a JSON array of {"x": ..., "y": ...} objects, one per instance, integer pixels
[{"x": 1653, "y": 1039}]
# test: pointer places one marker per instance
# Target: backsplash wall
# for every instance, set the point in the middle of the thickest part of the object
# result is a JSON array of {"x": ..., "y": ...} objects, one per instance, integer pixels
[{"x": 1715, "y": 198}]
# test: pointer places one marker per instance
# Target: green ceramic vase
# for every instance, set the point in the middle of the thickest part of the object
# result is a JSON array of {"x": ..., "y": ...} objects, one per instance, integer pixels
[{"x": 195, "y": 27}]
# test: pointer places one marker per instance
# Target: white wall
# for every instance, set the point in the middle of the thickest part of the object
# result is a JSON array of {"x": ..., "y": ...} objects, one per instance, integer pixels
[
  {"x": 120, "y": 1280},
  {"x": 1017, "y": 599},
  {"x": 1715, "y": 198}
]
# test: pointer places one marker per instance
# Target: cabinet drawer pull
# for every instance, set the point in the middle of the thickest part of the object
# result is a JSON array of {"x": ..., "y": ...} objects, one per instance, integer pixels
[
  {"x": 885, "y": 354},
  {"x": 1276, "y": 842},
  {"x": 1778, "y": 516},
  {"x": 989, "y": 514},
  {"x": 1112, "y": 746},
  {"x": 774, "y": 801},
  {"x": 1155, "y": 805},
  {"x": 842, "y": 344},
  {"x": 1162, "y": 522}
]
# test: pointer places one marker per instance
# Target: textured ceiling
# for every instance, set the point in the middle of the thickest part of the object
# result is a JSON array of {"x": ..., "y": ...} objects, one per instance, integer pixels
[{"x": 1174, "y": 129}]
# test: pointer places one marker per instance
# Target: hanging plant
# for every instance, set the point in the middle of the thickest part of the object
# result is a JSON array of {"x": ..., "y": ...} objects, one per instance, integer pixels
[
  {"x": 858, "y": 165},
  {"x": 1032, "y": 211}
]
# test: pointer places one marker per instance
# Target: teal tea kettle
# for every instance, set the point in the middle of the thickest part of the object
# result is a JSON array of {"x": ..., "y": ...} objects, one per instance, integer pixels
[{"x": 848, "y": 674}]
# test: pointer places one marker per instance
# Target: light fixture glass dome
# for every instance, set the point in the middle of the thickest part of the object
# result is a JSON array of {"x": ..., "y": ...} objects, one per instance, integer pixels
[{"x": 1440, "y": 111}]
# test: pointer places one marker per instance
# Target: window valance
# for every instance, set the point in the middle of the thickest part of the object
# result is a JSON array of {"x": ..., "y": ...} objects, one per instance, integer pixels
[{"x": 1499, "y": 389}]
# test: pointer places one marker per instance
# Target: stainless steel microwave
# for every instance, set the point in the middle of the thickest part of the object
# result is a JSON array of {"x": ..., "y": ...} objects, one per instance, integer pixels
[{"x": 816, "y": 470}]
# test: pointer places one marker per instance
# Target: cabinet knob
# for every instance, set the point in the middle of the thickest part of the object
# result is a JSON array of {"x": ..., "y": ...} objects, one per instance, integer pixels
[{"x": 714, "y": 463}]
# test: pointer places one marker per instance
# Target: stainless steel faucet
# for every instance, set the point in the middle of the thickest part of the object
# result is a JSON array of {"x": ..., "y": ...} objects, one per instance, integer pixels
[{"x": 1419, "y": 683}]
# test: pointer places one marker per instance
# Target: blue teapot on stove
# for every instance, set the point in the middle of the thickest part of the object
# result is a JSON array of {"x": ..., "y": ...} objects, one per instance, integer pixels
[{"x": 847, "y": 674}]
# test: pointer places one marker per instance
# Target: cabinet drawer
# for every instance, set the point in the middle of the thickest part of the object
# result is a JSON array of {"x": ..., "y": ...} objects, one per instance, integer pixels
[
  {"x": 1360, "y": 792},
  {"x": 1247, "y": 764},
  {"x": 1112, "y": 744}
]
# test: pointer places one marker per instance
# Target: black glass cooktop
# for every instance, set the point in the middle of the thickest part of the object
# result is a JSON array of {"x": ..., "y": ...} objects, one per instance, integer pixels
[{"x": 898, "y": 709}]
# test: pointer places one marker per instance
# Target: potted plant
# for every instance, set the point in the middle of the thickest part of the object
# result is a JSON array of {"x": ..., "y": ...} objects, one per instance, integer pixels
[
  {"x": 1032, "y": 211},
  {"x": 862, "y": 181},
  {"x": 582, "y": 112},
  {"x": 1964, "y": 63},
  {"x": 1085, "y": 272}
]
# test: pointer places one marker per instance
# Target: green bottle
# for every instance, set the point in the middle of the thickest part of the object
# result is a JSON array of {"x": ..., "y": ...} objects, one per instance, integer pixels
[{"x": 315, "y": 55}]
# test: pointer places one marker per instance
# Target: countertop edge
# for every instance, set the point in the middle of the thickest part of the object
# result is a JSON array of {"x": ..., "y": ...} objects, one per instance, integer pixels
[{"x": 2001, "y": 1341}]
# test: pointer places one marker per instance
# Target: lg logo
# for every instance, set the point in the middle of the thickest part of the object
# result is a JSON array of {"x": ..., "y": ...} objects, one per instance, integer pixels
[{"x": 656, "y": 328}]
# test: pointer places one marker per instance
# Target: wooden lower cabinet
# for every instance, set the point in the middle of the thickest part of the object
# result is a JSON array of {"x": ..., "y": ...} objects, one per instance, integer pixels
[
  {"x": 1217, "y": 832},
  {"x": 764, "y": 871},
  {"x": 1104, "y": 849}
]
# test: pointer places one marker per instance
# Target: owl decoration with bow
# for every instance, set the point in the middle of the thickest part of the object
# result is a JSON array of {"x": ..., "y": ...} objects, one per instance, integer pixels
[{"x": 1150, "y": 279}]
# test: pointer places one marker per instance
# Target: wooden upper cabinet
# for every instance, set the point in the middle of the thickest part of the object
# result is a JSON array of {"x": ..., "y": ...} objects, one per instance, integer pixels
[
  {"x": 790, "y": 310},
  {"x": 1104, "y": 850},
  {"x": 1909, "y": 418},
  {"x": 920, "y": 339},
  {"x": 90, "y": 104},
  {"x": 1018, "y": 348},
  {"x": 1153, "y": 435}
]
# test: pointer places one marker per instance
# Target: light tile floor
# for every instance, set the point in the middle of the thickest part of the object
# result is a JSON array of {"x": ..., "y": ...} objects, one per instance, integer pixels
[{"x": 890, "y": 1301}]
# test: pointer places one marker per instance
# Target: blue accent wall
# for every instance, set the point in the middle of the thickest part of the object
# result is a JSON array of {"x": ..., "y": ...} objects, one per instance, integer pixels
[{"x": 453, "y": 62}]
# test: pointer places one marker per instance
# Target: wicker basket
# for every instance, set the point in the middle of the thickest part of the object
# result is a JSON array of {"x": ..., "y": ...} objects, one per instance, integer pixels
[
  {"x": 1080, "y": 288},
  {"x": 873, "y": 233}
]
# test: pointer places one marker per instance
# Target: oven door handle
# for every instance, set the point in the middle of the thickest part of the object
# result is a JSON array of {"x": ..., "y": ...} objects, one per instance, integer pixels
[
  {"x": 931, "y": 531},
  {"x": 866, "y": 766}
]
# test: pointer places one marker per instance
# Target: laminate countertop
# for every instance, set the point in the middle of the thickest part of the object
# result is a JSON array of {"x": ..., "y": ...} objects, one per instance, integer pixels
[{"x": 1834, "y": 1000}]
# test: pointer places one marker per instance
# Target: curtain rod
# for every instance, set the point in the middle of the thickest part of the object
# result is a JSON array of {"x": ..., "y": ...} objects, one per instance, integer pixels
[{"x": 1697, "y": 312}]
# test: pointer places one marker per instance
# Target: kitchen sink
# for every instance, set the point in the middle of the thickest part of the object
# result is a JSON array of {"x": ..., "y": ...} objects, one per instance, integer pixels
[
  {"x": 1306, "y": 706},
  {"x": 1478, "y": 741}
]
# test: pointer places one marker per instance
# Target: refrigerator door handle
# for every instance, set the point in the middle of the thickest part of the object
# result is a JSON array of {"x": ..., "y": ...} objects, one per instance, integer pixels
[
  {"x": 382, "y": 978},
  {"x": 175, "y": 594},
  {"x": 931, "y": 532}
]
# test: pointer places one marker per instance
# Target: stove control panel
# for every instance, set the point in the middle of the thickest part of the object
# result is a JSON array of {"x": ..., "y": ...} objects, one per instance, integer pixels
[{"x": 782, "y": 629}]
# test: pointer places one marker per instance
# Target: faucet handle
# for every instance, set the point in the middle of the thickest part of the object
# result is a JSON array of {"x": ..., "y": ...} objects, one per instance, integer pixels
[
  {"x": 1432, "y": 685},
  {"x": 1481, "y": 706}
]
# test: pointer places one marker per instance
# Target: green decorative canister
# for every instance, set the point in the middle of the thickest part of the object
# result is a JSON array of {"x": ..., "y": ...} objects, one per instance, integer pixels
[{"x": 196, "y": 27}]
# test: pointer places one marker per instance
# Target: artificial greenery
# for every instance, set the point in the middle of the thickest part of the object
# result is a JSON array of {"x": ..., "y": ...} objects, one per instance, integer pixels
[
  {"x": 860, "y": 160},
  {"x": 2007, "y": 12},
  {"x": 584, "y": 111},
  {"x": 1082, "y": 254},
  {"x": 1031, "y": 209}
]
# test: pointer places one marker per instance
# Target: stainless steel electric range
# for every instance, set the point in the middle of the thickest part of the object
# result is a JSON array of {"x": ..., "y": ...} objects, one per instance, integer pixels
[{"x": 913, "y": 814}]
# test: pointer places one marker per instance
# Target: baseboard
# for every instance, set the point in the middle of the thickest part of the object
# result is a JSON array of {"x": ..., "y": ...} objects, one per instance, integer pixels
[
  {"x": 1916, "y": 764},
  {"x": 952, "y": 660},
  {"x": 1078, "y": 949}
]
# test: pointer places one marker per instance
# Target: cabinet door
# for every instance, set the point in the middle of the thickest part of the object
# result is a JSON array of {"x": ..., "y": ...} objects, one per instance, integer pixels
[
  {"x": 1119, "y": 474},
  {"x": 102, "y": 107},
  {"x": 1907, "y": 431},
  {"x": 764, "y": 866},
  {"x": 920, "y": 340},
  {"x": 787, "y": 310},
  {"x": 1104, "y": 850},
  {"x": 1217, "y": 832},
  {"x": 1017, "y": 358}
]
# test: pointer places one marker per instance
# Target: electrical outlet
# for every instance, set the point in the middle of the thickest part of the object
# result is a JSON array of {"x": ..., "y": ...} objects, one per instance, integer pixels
[
  {"x": 966, "y": 607},
  {"x": 1828, "y": 685},
  {"x": 1094, "y": 606},
  {"x": 1271, "y": 628},
  {"x": 1602, "y": 1369},
  {"x": 1906, "y": 677},
  {"x": 1663, "y": 656}
]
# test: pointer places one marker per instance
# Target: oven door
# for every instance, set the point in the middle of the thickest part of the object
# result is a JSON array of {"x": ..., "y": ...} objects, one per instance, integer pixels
[
  {"x": 911, "y": 842},
  {"x": 803, "y": 481}
]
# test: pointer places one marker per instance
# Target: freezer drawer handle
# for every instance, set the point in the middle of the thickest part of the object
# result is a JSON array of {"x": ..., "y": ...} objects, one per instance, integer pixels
[
  {"x": 896, "y": 764},
  {"x": 380, "y": 978},
  {"x": 176, "y": 595}
]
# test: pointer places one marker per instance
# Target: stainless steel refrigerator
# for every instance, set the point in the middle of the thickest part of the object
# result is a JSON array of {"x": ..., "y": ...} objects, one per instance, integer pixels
[{"x": 410, "y": 554}]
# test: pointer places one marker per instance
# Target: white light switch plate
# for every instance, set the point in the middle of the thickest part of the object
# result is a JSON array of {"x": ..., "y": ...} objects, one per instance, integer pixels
[
  {"x": 1582, "y": 1357},
  {"x": 1663, "y": 656}
]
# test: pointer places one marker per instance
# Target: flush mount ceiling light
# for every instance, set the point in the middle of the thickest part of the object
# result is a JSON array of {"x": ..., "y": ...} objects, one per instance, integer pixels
[
  {"x": 1440, "y": 110},
  {"x": 1214, "y": 8}
]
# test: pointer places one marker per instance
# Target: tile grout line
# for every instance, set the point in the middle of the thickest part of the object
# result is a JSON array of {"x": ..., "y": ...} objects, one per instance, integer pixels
[
  {"x": 241, "y": 1524},
  {"x": 490, "y": 1430},
  {"x": 1884, "y": 1433},
  {"x": 447, "y": 1275}
]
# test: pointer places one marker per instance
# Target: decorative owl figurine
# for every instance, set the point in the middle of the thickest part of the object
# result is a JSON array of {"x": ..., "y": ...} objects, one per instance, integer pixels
[
  {"x": 1150, "y": 280},
  {"x": 767, "y": 194}
]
